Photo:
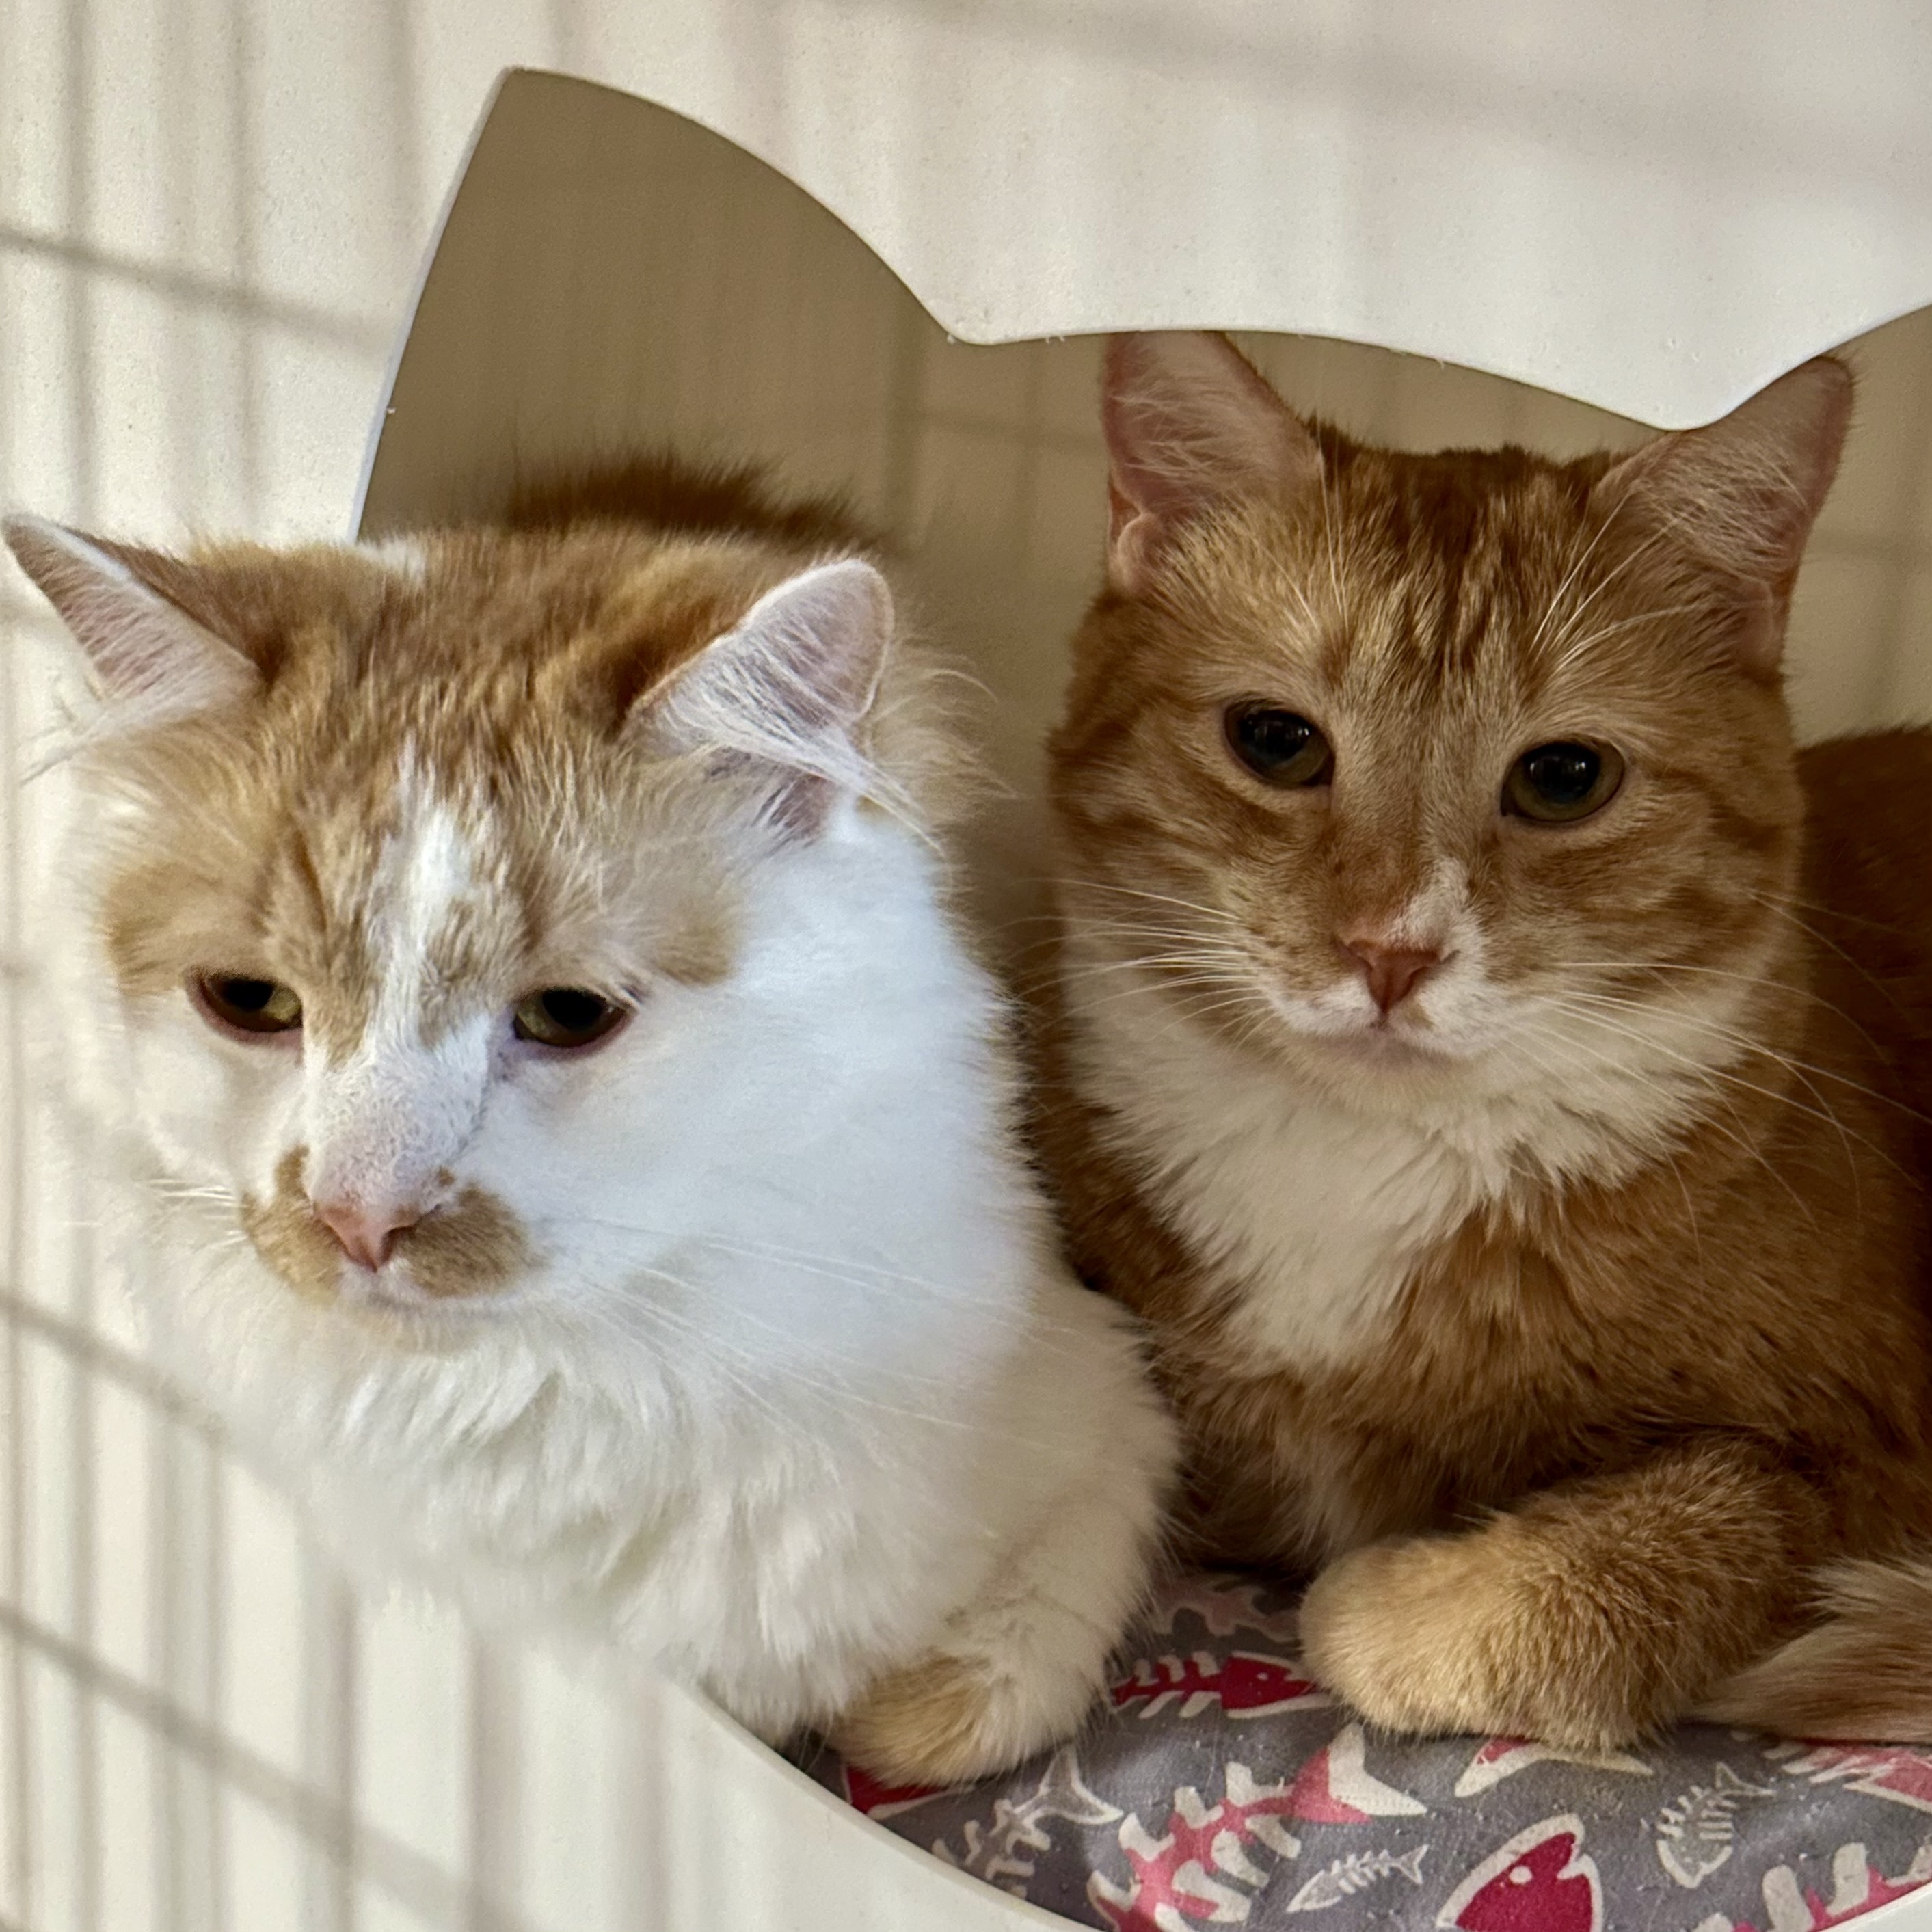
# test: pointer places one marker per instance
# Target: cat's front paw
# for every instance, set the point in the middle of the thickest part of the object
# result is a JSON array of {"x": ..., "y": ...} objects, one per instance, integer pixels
[
  {"x": 1400, "y": 1630},
  {"x": 949, "y": 1719},
  {"x": 1433, "y": 1634}
]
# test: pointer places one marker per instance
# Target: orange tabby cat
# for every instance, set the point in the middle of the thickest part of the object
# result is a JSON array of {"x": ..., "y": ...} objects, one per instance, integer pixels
[{"x": 1498, "y": 1092}]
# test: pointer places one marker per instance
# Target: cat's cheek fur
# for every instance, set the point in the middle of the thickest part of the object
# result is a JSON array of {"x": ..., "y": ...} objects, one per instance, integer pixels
[{"x": 222, "y": 1114}]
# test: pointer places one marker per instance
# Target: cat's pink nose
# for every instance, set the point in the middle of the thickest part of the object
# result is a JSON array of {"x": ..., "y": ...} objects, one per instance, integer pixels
[
  {"x": 366, "y": 1234},
  {"x": 1392, "y": 971}
]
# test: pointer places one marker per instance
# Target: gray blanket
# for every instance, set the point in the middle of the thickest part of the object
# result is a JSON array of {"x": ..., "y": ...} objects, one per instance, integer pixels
[{"x": 1221, "y": 1787}]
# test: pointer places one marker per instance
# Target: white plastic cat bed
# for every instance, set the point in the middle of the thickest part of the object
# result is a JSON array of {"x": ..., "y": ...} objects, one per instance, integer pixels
[{"x": 611, "y": 276}]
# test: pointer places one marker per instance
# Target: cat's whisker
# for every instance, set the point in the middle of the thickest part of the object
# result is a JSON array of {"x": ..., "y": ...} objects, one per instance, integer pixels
[
  {"x": 1589, "y": 550},
  {"x": 1750, "y": 1044},
  {"x": 1141, "y": 893},
  {"x": 867, "y": 1278},
  {"x": 843, "y": 1392},
  {"x": 1718, "y": 972},
  {"x": 178, "y": 1190},
  {"x": 1878, "y": 985},
  {"x": 1185, "y": 999},
  {"x": 730, "y": 1364},
  {"x": 1138, "y": 928},
  {"x": 1786, "y": 902},
  {"x": 1173, "y": 980},
  {"x": 1714, "y": 1092},
  {"x": 1822, "y": 1110},
  {"x": 1331, "y": 540},
  {"x": 1577, "y": 647},
  {"x": 1229, "y": 959},
  {"x": 735, "y": 1366},
  {"x": 1245, "y": 1003},
  {"x": 1635, "y": 556},
  {"x": 1136, "y": 931},
  {"x": 1781, "y": 984},
  {"x": 1821, "y": 1113}
]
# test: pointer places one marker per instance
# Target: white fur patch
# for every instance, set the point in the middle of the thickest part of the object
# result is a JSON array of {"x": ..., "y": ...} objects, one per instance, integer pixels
[
  {"x": 382, "y": 1123},
  {"x": 1319, "y": 1211},
  {"x": 403, "y": 556},
  {"x": 1319, "y": 1198}
]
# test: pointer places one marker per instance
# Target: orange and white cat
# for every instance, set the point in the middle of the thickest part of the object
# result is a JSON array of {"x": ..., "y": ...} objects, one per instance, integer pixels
[
  {"x": 512, "y": 970},
  {"x": 1492, "y": 1059}
]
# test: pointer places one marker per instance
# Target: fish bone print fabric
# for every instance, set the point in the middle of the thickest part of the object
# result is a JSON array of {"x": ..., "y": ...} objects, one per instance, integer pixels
[{"x": 1222, "y": 1788}]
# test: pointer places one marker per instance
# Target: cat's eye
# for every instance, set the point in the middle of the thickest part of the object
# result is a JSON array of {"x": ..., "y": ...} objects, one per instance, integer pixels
[
  {"x": 247, "y": 1005},
  {"x": 567, "y": 1017},
  {"x": 1557, "y": 783},
  {"x": 1282, "y": 748}
]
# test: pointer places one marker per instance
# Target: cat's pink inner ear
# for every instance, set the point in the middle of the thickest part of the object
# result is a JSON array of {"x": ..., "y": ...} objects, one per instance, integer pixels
[
  {"x": 1741, "y": 495},
  {"x": 787, "y": 686},
  {"x": 152, "y": 661},
  {"x": 1189, "y": 425}
]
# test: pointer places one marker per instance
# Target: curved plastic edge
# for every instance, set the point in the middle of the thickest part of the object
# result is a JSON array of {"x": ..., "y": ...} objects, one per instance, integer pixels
[
  {"x": 406, "y": 326},
  {"x": 843, "y": 1872},
  {"x": 1634, "y": 400},
  {"x": 1621, "y": 399}
]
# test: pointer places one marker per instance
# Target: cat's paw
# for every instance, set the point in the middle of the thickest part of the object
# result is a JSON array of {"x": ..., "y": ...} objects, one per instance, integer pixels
[
  {"x": 1400, "y": 1630},
  {"x": 950, "y": 1718},
  {"x": 1435, "y": 1634}
]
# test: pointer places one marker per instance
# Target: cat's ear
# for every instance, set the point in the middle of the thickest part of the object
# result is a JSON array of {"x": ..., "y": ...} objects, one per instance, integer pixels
[
  {"x": 1740, "y": 496},
  {"x": 787, "y": 687},
  {"x": 1189, "y": 425},
  {"x": 152, "y": 663}
]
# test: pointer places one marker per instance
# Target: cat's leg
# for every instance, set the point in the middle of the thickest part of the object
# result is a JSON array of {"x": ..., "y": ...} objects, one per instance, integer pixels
[
  {"x": 1592, "y": 1614},
  {"x": 1018, "y": 1668}
]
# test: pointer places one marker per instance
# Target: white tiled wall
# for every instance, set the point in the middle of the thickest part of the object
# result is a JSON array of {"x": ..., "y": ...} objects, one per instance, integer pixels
[{"x": 209, "y": 215}]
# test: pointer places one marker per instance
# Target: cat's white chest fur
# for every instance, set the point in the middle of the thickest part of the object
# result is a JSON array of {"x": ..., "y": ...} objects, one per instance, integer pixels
[{"x": 1315, "y": 1213}]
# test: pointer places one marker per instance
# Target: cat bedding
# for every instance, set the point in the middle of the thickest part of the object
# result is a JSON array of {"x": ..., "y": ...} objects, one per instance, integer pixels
[{"x": 1220, "y": 1785}]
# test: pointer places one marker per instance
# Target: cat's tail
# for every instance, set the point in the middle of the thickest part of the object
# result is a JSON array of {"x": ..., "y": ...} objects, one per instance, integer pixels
[{"x": 1863, "y": 1675}]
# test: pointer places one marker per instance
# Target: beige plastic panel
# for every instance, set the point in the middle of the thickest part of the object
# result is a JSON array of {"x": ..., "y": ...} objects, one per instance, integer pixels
[
  {"x": 611, "y": 276},
  {"x": 1653, "y": 204}
]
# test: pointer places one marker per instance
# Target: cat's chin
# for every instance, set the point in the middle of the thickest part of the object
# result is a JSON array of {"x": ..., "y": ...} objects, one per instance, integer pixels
[
  {"x": 1393, "y": 1052},
  {"x": 392, "y": 1295},
  {"x": 392, "y": 1307}
]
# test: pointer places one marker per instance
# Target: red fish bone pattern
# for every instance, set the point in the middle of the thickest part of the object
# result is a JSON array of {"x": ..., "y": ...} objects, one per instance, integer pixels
[
  {"x": 1243, "y": 1683},
  {"x": 1202, "y": 1865},
  {"x": 1217, "y": 1785}
]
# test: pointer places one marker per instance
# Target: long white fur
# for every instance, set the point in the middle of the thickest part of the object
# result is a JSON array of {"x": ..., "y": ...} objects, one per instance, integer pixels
[{"x": 796, "y": 1390}]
